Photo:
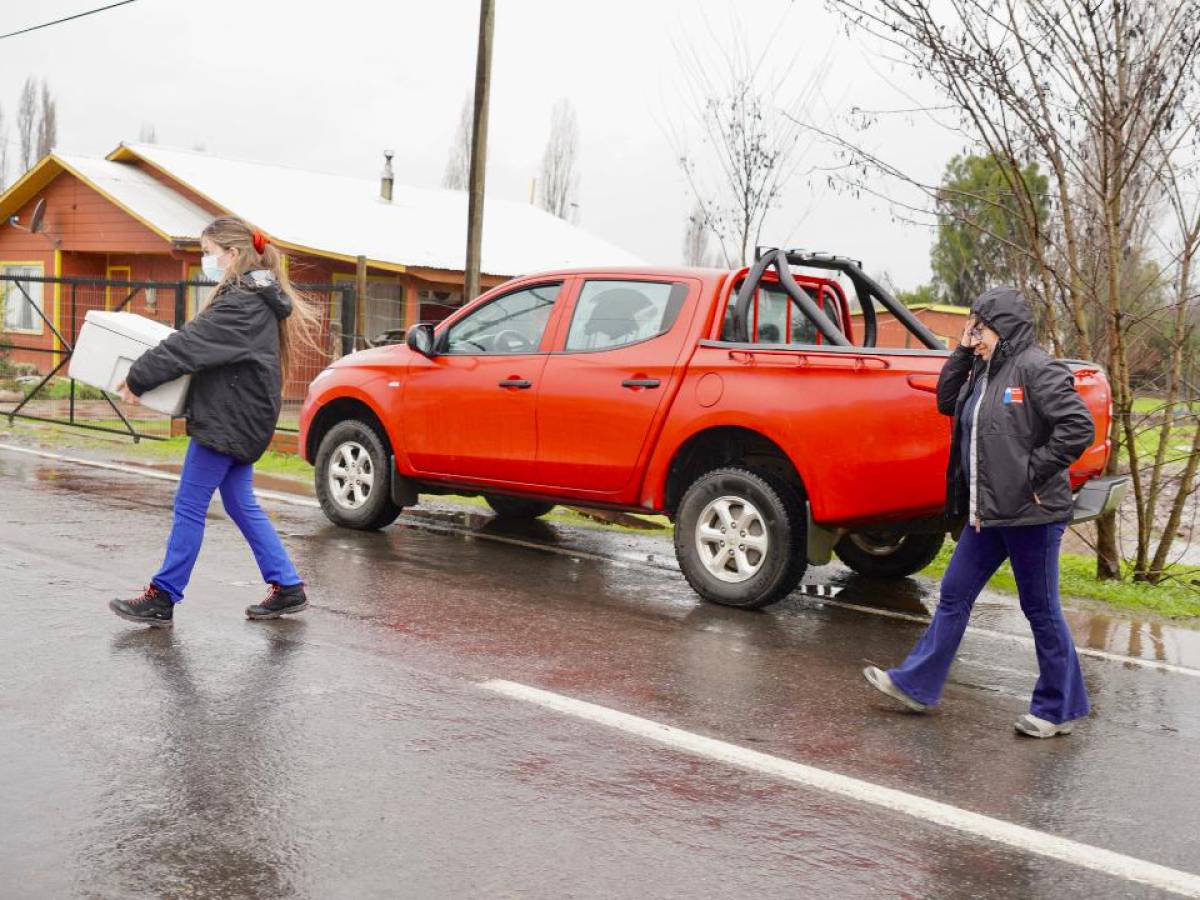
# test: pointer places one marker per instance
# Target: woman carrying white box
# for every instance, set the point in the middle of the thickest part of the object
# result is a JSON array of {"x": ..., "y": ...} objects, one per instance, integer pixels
[{"x": 237, "y": 350}]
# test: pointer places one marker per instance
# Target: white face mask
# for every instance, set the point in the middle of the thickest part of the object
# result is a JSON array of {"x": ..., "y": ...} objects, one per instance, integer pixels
[{"x": 212, "y": 270}]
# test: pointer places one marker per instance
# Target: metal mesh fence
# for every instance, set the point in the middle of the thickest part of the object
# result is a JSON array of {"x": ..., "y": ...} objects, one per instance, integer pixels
[{"x": 42, "y": 318}]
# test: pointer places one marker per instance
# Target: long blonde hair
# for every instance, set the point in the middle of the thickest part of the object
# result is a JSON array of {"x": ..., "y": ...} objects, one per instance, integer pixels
[{"x": 297, "y": 330}]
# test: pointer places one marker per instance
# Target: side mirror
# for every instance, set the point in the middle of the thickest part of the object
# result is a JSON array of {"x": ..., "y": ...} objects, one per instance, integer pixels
[{"x": 420, "y": 339}]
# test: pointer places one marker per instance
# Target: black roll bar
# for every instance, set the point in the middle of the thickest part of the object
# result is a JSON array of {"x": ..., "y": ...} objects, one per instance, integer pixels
[{"x": 868, "y": 291}]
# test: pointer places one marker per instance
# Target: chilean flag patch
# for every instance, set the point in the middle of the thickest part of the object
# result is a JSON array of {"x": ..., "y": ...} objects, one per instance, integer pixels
[{"x": 1014, "y": 395}]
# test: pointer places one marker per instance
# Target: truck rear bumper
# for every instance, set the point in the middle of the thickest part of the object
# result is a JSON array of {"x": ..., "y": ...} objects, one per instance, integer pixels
[{"x": 1099, "y": 496}]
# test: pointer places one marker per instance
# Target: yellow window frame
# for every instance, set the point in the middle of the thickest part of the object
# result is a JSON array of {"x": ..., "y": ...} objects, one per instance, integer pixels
[
  {"x": 41, "y": 267},
  {"x": 111, "y": 273}
]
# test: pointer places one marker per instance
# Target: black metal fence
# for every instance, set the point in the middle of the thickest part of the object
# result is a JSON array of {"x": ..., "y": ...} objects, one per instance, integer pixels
[{"x": 40, "y": 321}]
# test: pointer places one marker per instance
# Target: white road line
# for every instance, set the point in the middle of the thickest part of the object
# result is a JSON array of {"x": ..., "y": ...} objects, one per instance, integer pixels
[
  {"x": 293, "y": 500},
  {"x": 1018, "y": 837}
]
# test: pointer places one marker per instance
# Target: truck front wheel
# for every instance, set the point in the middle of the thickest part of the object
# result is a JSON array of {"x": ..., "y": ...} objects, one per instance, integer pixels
[
  {"x": 354, "y": 477},
  {"x": 740, "y": 537},
  {"x": 888, "y": 556}
]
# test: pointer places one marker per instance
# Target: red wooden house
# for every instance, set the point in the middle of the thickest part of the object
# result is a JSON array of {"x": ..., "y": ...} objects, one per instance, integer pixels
[{"x": 137, "y": 216}]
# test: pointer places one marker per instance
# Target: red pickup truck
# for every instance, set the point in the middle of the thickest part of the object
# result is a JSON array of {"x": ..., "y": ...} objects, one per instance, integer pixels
[{"x": 743, "y": 404}]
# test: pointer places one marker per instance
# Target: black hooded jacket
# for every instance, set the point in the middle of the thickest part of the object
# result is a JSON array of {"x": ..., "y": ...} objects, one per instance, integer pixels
[
  {"x": 1031, "y": 423},
  {"x": 232, "y": 351}
]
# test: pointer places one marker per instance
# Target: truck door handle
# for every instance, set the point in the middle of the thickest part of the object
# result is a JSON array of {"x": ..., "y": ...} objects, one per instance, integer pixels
[
  {"x": 519, "y": 383},
  {"x": 640, "y": 383}
]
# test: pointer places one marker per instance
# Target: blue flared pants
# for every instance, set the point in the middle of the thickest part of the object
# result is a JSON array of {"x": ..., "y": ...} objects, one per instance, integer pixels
[
  {"x": 1059, "y": 694},
  {"x": 206, "y": 471}
]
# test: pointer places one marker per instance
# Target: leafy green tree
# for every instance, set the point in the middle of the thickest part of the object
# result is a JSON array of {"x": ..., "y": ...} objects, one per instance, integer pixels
[
  {"x": 921, "y": 295},
  {"x": 982, "y": 234}
]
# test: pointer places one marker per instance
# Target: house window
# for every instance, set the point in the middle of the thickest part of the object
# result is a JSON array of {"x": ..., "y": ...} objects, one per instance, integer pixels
[
  {"x": 435, "y": 305},
  {"x": 115, "y": 296},
  {"x": 19, "y": 313}
]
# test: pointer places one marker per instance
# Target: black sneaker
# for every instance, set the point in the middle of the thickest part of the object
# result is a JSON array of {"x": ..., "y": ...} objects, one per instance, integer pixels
[
  {"x": 153, "y": 608},
  {"x": 282, "y": 601}
]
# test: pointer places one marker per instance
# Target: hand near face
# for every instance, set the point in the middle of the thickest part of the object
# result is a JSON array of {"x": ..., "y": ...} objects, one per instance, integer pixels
[{"x": 970, "y": 334}]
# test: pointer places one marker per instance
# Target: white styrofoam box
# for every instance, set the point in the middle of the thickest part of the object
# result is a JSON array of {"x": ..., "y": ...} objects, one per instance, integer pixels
[{"x": 107, "y": 346}]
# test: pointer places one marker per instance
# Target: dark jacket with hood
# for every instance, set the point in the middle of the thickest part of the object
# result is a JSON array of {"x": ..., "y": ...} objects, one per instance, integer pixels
[
  {"x": 232, "y": 352},
  {"x": 1030, "y": 424}
]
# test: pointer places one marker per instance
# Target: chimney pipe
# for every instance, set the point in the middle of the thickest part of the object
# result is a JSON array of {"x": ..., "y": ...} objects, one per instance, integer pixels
[{"x": 387, "y": 179}]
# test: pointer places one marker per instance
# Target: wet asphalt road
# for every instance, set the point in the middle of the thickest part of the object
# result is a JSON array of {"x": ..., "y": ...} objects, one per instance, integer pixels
[{"x": 350, "y": 752}]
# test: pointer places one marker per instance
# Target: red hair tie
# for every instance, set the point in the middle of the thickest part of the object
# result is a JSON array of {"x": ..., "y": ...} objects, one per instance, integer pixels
[{"x": 260, "y": 241}]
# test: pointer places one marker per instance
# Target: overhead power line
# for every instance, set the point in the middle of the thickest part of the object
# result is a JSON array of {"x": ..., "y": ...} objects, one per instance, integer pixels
[{"x": 90, "y": 12}]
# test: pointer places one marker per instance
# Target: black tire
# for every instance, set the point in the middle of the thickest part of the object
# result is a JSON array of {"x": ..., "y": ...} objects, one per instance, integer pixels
[
  {"x": 780, "y": 513},
  {"x": 364, "y": 506},
  {"x": 880, "y": 556},
  {"x": 517, "y": 507}
]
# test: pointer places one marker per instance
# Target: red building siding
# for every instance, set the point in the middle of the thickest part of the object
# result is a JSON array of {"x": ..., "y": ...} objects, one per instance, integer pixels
[
  {"x": 83, "y": 220},
  {"x": 889, "y": 332},
  {"x": 96, "y": 238}
]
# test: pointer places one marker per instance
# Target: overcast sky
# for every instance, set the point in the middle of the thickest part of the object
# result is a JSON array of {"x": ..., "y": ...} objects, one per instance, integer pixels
[{"x": 330, "y": 85}]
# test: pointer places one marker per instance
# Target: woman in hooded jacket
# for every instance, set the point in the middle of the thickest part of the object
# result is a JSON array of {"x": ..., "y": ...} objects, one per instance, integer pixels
[
  {"x": 1018, "y": 426},
  {"x": 237, "y": 351}
]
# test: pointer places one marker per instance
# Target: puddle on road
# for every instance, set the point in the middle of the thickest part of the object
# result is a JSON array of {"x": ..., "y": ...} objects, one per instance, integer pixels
[{"x": 1147, "y": 639}]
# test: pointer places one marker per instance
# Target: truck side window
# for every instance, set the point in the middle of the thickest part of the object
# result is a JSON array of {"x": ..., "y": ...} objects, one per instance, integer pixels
[
  {"x": 510, "y": 324},
  {"x": 776, "y": 323},
  {"x": 613, "y": 314}
]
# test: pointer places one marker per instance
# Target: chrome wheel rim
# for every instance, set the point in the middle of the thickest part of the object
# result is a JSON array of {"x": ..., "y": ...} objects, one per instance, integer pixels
[
  {"x": 732, "y": 539},
  {"x": 351, "y": 475}
]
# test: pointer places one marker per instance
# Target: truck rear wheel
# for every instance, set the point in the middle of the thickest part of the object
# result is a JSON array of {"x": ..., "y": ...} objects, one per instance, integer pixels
[
  {"x": 353, "y": 477},
  {"x": 740, "y": 537},
  {"x": 888, "y": 556},
  {"x": 517, "y": 507}
]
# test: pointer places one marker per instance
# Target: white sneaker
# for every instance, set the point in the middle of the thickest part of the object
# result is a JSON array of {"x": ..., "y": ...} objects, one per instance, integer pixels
[
  {"x": 1039, "y": 728},
  {"x": 882, "y": 682}
]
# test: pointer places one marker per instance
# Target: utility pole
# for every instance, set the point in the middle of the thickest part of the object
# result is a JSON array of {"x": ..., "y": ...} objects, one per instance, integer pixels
[
  {"x": 360, "y": 300},
  {"x": 483, "y": 82}
]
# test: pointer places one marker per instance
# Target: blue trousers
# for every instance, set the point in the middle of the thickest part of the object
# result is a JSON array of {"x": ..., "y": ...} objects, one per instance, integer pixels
[
  {"x": 205, "y": 471},
  {"x": 1059, "y": 694}
]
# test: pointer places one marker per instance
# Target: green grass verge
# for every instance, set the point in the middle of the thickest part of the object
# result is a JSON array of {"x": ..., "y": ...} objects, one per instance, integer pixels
[
  {"x": 1176, "y": 598},
  {"x": 286, "y": 465}
]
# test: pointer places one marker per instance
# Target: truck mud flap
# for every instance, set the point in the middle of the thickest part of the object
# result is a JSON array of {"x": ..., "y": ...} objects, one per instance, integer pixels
[
  {"x": 404, "y": 492},
  {"x": 820, "y": 540}
]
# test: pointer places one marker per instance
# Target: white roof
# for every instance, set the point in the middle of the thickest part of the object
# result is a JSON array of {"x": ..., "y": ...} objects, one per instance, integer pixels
[
  {"x": 164, "y": 208},
  {"x": 344, "y": 215}
]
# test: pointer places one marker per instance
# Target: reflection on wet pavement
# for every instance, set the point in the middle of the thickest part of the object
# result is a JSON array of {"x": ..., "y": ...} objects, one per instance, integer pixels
[{"x": 348, "y": 753}]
